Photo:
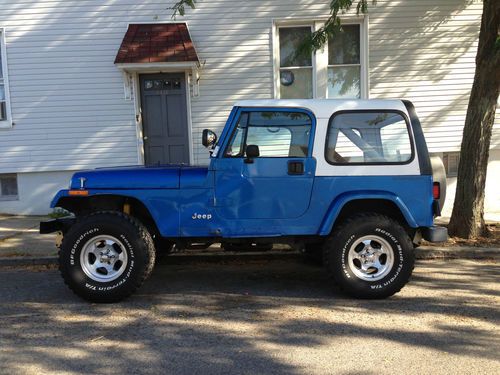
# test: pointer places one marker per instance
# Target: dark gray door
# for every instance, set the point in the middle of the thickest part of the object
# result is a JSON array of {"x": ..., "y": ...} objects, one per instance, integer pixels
[{"x": 164, "y": 118}]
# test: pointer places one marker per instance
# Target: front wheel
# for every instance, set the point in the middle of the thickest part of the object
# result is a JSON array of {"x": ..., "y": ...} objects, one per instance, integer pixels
[
  {"x": 370, "y": 256},
  {"x": 106, "y": 256}
]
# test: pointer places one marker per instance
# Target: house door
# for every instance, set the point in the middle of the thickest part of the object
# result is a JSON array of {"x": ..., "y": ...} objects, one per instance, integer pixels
[{"x": 164, "y": 118}]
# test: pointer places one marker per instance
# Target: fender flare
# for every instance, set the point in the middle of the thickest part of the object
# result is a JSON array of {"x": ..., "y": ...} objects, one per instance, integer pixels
[
  {"x": 340, "y": 201},
  {"x": 64, "y": 196}
]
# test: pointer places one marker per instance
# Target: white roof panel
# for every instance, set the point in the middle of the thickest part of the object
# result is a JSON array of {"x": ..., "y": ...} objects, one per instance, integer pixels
[{"x": 324, "y": 108}]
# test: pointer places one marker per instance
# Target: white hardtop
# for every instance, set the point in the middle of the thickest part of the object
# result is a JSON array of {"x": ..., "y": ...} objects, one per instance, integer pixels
[{"x": 324, "y": 108}]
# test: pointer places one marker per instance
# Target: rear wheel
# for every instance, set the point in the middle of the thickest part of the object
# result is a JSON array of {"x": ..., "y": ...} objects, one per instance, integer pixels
[
  {"x": 106, "y": 256},
  {"x": 370, "y": 256}
]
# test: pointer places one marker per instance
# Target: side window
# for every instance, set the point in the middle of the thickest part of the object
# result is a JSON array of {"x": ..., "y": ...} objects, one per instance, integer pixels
[
  {"x": 235, "y": 148},
  {"x": 275, "y": 141},
  {"x": 277, "y": 133},
  {"x": 368, "y": 137}
]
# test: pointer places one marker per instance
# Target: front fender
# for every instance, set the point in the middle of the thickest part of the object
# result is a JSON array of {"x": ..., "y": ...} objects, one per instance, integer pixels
[
  {"x": 340, "y": 201},
  {"x": 161, "y": 204},
  {"x": 60, "y": 194}
]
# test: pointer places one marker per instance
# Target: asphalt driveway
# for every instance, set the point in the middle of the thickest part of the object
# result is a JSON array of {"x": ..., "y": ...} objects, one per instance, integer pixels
[{"x": 280, "y": 316}]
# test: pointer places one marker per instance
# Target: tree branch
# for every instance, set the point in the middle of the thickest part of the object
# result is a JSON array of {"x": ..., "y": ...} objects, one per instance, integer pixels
[{"x": 332, "y": 26}]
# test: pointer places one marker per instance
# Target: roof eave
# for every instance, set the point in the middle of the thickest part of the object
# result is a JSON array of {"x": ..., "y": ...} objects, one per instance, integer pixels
[{"x": 158, "y": 66}]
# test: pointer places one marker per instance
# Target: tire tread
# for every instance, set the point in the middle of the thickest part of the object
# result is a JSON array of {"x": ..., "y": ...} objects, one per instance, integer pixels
[
  {"x": 349, "y": 223},
  {"x": 142, "y": 233}
]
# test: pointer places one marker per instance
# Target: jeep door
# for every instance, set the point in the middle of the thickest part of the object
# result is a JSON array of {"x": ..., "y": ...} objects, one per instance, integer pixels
[{"x": 276, "y": 184}]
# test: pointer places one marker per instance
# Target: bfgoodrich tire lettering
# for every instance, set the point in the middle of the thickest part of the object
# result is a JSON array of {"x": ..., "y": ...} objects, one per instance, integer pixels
[
  {"x": 106, "y": 256},
  {"x": 369, "y": 256}
]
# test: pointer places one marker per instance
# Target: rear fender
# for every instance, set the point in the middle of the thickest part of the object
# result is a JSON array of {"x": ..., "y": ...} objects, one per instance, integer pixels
[{"x": 337, "y": 205}]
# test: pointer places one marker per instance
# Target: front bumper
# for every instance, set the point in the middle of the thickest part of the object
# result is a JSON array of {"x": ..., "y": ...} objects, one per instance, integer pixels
[
  {"x": 56, "y": 225},
  {"x": 435, "y": 234}
]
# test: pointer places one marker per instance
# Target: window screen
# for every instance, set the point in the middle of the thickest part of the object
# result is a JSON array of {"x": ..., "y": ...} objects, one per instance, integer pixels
[
  {"x": 8, "y": 187},
  {"x": 368, "y": 137}
]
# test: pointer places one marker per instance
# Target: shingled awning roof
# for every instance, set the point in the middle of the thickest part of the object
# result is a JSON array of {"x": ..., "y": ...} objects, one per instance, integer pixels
[{"x": 156, "y": 43}]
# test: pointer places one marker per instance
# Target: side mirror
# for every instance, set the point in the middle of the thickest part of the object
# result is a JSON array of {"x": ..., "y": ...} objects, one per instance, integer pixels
[
  {"x": 252, "y": 151},
  {"x": 208, "y": 138}
]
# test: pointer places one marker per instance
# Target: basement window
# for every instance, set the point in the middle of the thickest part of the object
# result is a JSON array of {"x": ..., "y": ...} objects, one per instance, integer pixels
[
  {"x": 450, "y": 161},
  {"x": 8, "y": 187}
]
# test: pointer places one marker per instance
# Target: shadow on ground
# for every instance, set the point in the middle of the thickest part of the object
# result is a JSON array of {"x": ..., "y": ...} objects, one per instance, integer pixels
[{"x": 261, "y": 317}]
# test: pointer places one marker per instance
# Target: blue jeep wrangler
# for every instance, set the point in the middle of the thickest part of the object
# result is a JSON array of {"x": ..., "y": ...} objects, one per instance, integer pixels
[{"x": 351, "y": 179}]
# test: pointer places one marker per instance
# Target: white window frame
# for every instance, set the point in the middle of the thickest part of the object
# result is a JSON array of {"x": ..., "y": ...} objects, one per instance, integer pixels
[
  {"x": 7, "y": 123},
  {"x": 320, "y": 57}
]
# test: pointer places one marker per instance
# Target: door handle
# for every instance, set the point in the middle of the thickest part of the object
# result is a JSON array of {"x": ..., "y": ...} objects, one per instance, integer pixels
[
  {"x": 295, "y": 167},
  {"x": 145, "y": 138}
]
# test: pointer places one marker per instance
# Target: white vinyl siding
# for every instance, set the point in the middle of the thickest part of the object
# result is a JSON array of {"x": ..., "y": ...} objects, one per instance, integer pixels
[
  {"x": 425, "y": 51},
  {"x": 67, "y": 97}
]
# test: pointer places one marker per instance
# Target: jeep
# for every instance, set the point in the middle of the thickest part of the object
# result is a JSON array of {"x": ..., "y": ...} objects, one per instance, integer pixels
[{"x": 350, "y": 180}]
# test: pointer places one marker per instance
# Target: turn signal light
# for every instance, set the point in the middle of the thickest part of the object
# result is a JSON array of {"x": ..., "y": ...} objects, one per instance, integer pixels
[
  {"x": 80, "y": 193},
  {"x": 436, "y": 190}
]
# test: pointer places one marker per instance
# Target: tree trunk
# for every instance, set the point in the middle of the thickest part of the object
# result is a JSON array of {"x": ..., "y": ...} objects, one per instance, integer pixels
[{"x": 467, "y": 218}]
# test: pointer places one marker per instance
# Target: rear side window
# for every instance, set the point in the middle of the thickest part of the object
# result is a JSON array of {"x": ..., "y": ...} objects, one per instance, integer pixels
[
  {"x": 368, "y": 137},
  {"x": 276, "y": 133}
]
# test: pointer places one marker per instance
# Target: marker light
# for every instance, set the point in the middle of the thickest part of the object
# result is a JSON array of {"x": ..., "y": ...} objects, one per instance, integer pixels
[
  {"x": 80, "y": 193},
  {"x": 436, "y": 190}
]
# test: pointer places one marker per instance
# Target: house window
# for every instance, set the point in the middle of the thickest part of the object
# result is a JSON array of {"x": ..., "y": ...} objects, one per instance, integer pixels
[
  {"x": 296, "y": 69},
  {"x": 344, "y": 64},
  {"x": 8, "y": 187},
  {"x": 4, "y": 93},
  {"x": 338, "y": 70}
]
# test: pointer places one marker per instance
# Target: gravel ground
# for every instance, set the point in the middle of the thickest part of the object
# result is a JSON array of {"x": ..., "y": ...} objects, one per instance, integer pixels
[{"x": 254, "y": 318}]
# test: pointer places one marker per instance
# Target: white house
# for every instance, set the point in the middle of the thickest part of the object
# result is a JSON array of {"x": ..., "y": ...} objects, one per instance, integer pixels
[{"x": 91, "y": 83}]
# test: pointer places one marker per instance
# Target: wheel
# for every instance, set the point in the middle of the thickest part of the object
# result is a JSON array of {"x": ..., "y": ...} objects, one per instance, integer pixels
[
  {"x": 106, "y": 256},
  {"x": 369, "y": 256}
]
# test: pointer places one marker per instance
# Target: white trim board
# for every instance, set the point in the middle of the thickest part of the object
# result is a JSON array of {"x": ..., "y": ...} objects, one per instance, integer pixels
[{"x": 7, "y": 123}]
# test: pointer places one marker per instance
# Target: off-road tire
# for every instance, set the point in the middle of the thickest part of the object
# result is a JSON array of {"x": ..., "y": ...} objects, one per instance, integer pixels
[
  {"x": 342, "y": 241},
  {"x": 138, "y": 244}
]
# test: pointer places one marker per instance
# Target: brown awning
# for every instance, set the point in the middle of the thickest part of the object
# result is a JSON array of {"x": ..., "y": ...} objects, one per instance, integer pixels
[{"x": 156, "y": 43}]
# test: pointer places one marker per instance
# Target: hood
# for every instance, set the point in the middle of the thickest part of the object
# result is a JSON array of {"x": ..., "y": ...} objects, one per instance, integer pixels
[{"x": 137, "y": 177}]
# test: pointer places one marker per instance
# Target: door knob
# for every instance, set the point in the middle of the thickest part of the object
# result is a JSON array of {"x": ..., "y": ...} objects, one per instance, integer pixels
[{"x": 145, "y": 138}]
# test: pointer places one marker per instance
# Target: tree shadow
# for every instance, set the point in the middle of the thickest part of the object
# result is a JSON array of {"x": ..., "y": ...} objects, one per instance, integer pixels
[{"x": 241, "y": 318}]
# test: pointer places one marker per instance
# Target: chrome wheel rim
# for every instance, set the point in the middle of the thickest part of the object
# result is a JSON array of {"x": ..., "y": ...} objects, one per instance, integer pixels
[
  {"x": 370, "y": 258},
  {"x": 103, "y": 258}
]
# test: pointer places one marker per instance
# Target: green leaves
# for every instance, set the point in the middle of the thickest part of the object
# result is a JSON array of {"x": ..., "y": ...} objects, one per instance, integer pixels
[
  {"x": 332, "y": 26},
  {"x": 317, "y": 39},
  {"x": 179, "y": 8}
]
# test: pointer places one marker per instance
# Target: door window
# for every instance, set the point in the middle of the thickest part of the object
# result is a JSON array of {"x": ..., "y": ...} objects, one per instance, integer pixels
[{"x": 276, "y": 133}]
